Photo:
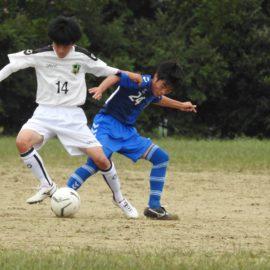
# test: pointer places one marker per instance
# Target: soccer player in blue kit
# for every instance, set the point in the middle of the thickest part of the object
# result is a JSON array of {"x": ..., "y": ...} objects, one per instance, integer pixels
[{"x": 114, "y": 128}]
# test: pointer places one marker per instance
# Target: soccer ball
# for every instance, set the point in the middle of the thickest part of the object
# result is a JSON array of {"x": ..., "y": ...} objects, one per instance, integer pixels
[{"x": 65, "y": 202}]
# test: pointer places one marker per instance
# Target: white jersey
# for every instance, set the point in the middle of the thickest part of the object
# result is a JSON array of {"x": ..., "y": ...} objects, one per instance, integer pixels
[{"x": 60, "y": 81}]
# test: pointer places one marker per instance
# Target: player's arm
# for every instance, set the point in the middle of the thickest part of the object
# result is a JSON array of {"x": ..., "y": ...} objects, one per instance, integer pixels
[
  {"x": 175, "y": 104},
  {"x": 105, "y": 85},
  {"x": 99, "y": 68},
  {"x": 18, "y": 61},
  {"x": 135, "y": 77},
  {"x": 7, "y": 70}
]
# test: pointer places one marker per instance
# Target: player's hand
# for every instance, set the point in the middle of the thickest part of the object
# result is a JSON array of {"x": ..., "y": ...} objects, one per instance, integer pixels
[
  {"x": 188, "y": 107},
  {"x": 97, "y": 93}
]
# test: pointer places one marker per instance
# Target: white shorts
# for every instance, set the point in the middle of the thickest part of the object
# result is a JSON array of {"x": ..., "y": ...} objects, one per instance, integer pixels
[{"x": 69, "y": 124}]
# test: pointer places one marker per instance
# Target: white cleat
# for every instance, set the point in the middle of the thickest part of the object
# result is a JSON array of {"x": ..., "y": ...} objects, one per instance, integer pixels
[
  {"x": 42, "y": 194},
  {"x": 129, "y": 210}
]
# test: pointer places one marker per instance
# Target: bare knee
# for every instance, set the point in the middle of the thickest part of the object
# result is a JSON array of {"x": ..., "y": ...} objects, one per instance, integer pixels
[
  {"x": 102, "y": 162},
  {"x": 26, "y": 139},
  {"x": 22, "y": 144},
  {"x": 99, "y": 158}
]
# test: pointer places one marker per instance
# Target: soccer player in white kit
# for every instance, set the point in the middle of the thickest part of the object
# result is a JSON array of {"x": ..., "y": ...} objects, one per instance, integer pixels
[{"x": 61, "y": 89}]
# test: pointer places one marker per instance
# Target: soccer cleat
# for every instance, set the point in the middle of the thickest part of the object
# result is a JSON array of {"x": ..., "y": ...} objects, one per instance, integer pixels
[
  {"x": 42, "y": 194},
  {"x": 159, "y": 214},
  {"x": 129, "y": 210}
]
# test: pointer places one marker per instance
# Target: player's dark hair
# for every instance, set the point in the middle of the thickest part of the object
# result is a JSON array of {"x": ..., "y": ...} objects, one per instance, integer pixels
[
  {"x": 64, "y": 31},
  {"x": 171, "y": 72}
]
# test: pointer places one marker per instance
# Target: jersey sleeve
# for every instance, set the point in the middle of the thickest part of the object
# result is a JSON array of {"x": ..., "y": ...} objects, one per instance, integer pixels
[
  {"x": 21, "y": 60},
  {"x": 157, "y": 99},
  {"x": 99, "y": 68},
  {"x": 126, "y": 82},
  {"x": 18, "y": 61}
]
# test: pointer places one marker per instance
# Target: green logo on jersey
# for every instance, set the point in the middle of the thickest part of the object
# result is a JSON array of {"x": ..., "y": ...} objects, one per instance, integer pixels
[{"x": 76, "y": 68}]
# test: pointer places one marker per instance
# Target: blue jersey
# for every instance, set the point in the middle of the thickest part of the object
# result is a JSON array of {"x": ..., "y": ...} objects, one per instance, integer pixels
[{"x": 129, "y": 100}]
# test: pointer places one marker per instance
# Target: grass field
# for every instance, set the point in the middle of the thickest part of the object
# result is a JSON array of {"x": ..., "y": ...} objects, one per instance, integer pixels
[{"x": 220, "y": 190}]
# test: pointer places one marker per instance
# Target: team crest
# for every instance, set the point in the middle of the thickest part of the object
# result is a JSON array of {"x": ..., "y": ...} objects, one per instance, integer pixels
[{"x": 76, "y": 68}]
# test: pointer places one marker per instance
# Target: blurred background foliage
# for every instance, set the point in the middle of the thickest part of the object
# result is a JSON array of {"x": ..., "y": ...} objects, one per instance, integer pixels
[{"x": 223, "y": 45}]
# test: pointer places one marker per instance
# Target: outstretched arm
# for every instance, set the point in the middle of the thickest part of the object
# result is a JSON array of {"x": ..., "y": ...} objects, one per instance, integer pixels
[
  {"x": 20, "y": 60},
  {"x": 175, "y": 104},
  {"x": 6, "y": 71},
  {"x": 105, "y": 84},
  {"x": 135, "y": 77}
]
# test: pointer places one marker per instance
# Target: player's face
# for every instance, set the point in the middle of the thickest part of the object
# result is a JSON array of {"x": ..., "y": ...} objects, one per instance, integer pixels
[
  {"x": 62, "y": 50},
  {"x": 159, "y": 87}
]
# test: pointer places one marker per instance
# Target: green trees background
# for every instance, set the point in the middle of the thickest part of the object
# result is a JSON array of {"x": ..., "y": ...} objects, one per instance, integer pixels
[{"x": 223, "y": 45}]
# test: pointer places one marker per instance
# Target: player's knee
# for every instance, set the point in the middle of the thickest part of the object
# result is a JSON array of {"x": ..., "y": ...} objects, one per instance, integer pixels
[
  {"x": 22, "y": 144},
  {"x": 102, "y": 162},
  {"x": 159, "y": 156},
  {"x": 164, "y": 156}
]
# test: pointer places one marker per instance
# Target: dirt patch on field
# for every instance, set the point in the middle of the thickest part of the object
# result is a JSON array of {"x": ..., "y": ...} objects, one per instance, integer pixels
[{"x": 218, "y": 212}]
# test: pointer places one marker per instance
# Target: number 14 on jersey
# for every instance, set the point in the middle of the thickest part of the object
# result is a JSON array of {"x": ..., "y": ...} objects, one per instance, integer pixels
[{"x": 62, "y": 87}]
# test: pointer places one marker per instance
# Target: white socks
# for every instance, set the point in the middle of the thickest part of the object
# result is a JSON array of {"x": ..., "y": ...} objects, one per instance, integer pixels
[
  {"x": 111, "y": 178},
  {"x": 34, "y": 162}
]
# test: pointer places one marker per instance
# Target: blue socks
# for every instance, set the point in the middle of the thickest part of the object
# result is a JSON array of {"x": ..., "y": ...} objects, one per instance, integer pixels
[
  {"x": 81, "y": 174},
  {"x": 90, "y": 168},
  {"x": 160, "y": 160},
  {"x": 156, "y": 155}
]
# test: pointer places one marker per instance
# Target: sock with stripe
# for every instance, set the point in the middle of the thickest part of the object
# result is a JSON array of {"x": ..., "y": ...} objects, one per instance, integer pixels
[
  {"x": 90, "y": 168},
  {"x": 34, "y": 162},
  {"x": 111, "y": 178},
  {"x": 81, "y": 174},
  {"x": 160, "y": 160}
]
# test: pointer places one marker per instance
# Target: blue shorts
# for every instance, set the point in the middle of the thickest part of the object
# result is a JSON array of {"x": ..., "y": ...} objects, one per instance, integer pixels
[{"x": 117, "y": 137}]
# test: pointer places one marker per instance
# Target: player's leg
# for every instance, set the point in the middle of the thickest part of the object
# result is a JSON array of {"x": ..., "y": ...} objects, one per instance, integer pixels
[
  {"x": 107, "y": 169},
  {"x": 140, "y": 147},
  {"x": 81, "y": 174},
  {"x": 110, "y": 176},
  {"x": 25, "y": 142},
  {"x": 96, "y": 160},
  {"x": 85, "y": 142},
  {"x": 159, "y": 158}
]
